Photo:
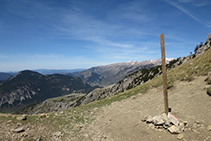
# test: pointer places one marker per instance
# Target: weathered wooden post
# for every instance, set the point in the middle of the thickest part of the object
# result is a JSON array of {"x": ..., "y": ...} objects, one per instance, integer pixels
[{"x": 164, "y": 73}]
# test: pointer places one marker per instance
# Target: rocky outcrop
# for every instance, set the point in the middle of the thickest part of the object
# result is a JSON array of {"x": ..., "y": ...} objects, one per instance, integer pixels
[
  {"x": 199, "y": 51},
  {"x": 206, "y": 46}
]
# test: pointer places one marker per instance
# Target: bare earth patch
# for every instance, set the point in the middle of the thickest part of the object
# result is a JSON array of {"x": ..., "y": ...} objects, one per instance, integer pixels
[{"x": 121, "y": 121}]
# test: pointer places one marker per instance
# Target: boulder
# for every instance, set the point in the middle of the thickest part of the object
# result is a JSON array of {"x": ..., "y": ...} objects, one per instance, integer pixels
[
  {"x": 165, "y": 119},
  {"x": 43, "y": 115},
  {"x": 144, "y": 119},
  {"x": 23, "y": 117},
  {"x": 157, "y": 120},
  {"x": 209, "y": 127},
  {"x": 181, "y": 126},
  {"x": 18, "y": 130},
  {"x": 174, "y": 129},
  {"x": 149, "y": 119}
]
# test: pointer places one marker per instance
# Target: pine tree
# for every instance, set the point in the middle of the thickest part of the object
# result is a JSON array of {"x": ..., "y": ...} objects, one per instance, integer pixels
[{"x": 196, "y": 48}]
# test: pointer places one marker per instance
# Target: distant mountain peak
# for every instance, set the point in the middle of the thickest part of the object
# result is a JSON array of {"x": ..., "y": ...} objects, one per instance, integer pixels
[{"x": 112, "y": 73}]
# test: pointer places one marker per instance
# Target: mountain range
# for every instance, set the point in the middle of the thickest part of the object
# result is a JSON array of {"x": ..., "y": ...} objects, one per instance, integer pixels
[
  {"x": 58, "y": 71},
  {"x": 29, "y": 87},
  {"x": 73, "y": 72},
  {"x": 111, "y": 74},
  {"x": 129, "y": 82}
]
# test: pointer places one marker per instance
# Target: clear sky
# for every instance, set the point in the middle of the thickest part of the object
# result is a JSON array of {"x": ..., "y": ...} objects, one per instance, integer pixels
[{"x": 68, "y": 34}]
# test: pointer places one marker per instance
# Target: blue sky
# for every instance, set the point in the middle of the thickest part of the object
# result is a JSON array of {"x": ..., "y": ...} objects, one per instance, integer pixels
[{"x": 68, "y": 34}]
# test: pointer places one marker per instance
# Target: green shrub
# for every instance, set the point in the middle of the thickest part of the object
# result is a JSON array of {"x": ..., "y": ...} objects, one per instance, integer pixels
[{"x": 205, "y": 43}]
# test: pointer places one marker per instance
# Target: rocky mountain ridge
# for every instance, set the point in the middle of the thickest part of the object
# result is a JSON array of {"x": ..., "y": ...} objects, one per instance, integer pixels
[
  {"x": 206, "y": 46},
  {"x": 32, "y": 87},
  {"x": 111, "y": 74}
]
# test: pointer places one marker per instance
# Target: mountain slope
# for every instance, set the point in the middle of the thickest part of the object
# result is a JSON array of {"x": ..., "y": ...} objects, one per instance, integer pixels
[
  {"x": 28, "y": 87},
  {"x": 111, "y": 74}
]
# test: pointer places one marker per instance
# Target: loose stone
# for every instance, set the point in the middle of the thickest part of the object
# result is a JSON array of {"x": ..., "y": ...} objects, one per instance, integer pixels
[
  {"x": 180, "y": 136},
  {"x": 19, "y": 130},
  {"x": 174, "y": 129},
  {"x": 209, "y": 127},
  {"x": 23, "y": 117}
]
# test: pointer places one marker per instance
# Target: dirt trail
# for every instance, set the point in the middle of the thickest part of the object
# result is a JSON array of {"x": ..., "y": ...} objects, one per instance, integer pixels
[{"x": 121, "y": 121}]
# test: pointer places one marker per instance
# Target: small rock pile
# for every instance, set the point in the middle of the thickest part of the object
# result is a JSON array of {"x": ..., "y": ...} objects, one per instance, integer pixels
[{"x": 165, "y": 122}]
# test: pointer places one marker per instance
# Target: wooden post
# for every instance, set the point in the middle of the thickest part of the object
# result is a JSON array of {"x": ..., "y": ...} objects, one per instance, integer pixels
[{"x": 164, "y": 73}]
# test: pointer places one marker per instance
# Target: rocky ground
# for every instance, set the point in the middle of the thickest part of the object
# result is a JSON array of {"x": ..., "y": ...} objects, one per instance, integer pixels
[{"x": 121, "y": 120}]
